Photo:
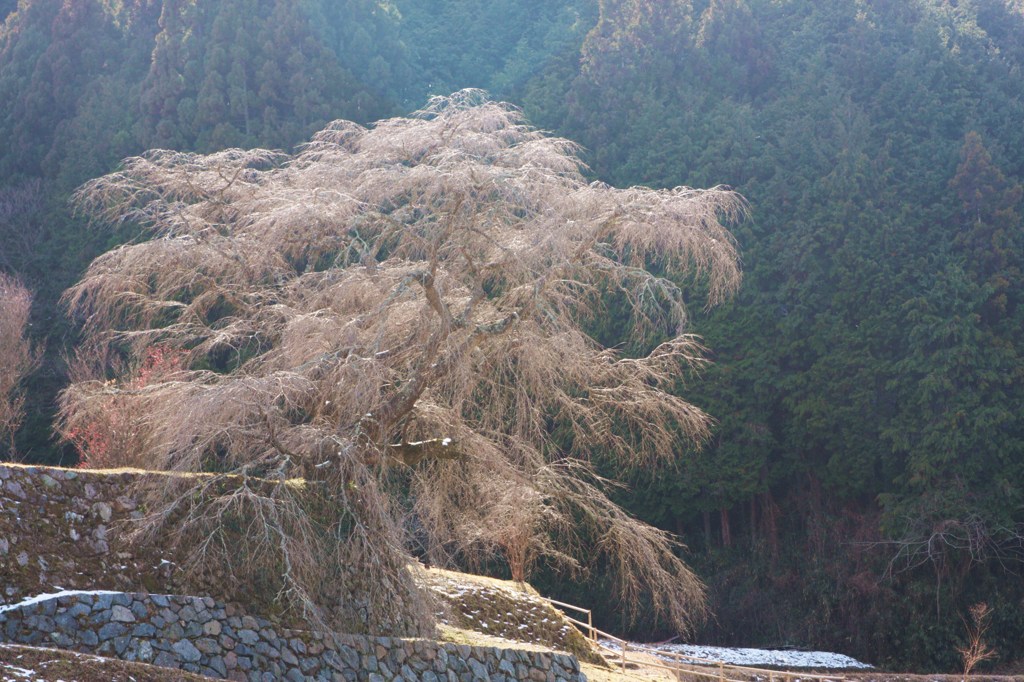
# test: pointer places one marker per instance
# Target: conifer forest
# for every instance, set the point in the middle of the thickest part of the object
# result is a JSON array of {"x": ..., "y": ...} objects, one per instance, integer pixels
[{"x": 859, "y": 484}]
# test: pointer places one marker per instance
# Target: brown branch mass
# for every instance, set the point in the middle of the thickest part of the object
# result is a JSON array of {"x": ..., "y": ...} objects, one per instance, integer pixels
[{"x": 388, "y": 294}]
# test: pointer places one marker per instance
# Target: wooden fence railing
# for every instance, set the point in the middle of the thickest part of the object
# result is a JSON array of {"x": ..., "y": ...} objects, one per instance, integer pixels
[{"x": 679, "y": 663}]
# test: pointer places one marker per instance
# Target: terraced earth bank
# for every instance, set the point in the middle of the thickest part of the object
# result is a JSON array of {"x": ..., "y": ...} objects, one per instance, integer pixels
[{"x": 70, "y": 584}]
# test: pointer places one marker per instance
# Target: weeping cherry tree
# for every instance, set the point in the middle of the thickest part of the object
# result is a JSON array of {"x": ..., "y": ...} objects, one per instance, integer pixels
[{"x": 378, "y": 336}]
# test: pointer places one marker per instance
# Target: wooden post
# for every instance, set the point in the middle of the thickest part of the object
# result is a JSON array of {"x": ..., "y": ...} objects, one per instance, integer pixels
[
  {"x": 624, "y": 645},
  {"x": 590, "y": 625},
  {"x": 721, "y": 671}
]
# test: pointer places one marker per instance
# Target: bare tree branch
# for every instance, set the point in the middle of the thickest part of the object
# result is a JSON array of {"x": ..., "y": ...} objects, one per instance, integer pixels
[
  {"x": 343, "y": 312},
  {"x": 18, "y": 357}
]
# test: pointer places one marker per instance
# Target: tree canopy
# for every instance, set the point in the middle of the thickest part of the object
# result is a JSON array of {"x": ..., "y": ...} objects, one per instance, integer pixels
[{"x": 395, "y": 317}]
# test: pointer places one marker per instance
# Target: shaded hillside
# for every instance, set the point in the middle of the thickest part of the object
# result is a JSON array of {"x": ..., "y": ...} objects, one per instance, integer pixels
[
  {"x": 865, "y": 483},
  {"x": 84, "y": 84},
  {"x": 868, "y": 376}
]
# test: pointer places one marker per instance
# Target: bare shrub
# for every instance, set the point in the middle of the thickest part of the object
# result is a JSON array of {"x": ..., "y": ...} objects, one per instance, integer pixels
[
  {"x": 112, "y": 431},
  {"x": 976, "y": 651},
  {"x": 392, "y": 319},
  {"x": 18, "y": 358}
]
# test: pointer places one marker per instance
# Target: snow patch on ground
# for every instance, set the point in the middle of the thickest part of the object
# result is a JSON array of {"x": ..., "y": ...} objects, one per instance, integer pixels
[
  {"x": 44, "y": 597},
  {"x": 818, "y": 660},
  {"x": 14, "y": 673},
  {"x": 19, "y": 674}
]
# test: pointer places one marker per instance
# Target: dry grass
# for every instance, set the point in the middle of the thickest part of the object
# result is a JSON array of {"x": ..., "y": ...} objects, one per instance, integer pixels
[
  {"x": 483, "y": 589},
  {"x": 31, "y": 664},
  {"x": 634, "y": 672},
  {"x": 507, "y": 611}
]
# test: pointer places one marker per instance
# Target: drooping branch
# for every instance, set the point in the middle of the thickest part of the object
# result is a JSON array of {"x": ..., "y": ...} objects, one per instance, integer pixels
[
  {"x": 413, "y": 453},
  {"x": 343, "y": 312}
]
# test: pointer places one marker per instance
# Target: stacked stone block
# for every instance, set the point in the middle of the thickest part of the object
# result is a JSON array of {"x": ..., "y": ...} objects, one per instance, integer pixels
[
  {"x": 205, "y": 636},
  {"x": 56, "y": 530},
  {"x": 55, "y": 535}
]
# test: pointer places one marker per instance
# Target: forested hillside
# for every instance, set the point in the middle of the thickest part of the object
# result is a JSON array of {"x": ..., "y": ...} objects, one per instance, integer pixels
[{"x": 865, "y": 484}]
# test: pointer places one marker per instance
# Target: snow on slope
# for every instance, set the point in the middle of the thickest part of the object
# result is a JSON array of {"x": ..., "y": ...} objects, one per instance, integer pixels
[{"x": 818, "y": 660}]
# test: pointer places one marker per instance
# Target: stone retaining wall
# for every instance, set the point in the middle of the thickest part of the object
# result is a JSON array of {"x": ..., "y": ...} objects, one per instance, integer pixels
[
  {"x": 59, "y": 530},
  {"x": 204, "y": 636},
  {"x": 56, "y": 533}
]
